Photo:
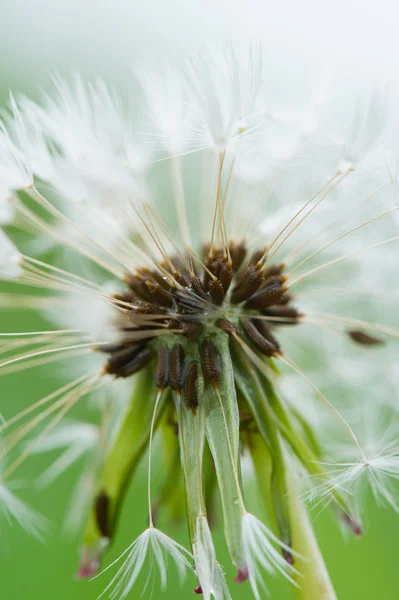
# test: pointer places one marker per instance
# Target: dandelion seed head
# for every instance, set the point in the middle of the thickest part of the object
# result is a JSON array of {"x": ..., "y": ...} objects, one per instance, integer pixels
[{"x": 217, "y": 258}]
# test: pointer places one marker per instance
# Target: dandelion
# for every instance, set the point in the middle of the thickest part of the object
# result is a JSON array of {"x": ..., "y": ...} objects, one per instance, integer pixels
[{"x": 226, "y": 284}]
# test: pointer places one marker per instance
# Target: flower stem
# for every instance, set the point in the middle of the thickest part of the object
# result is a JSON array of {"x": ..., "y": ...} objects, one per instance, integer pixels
[{"x": 314, "y": 580}]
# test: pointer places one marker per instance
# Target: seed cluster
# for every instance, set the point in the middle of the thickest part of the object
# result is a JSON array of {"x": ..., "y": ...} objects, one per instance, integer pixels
[{"x": 232, "y": 291}]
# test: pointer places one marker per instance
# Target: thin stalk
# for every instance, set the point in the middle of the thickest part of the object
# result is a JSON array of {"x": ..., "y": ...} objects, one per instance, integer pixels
[{"x": 313, "y": 581}]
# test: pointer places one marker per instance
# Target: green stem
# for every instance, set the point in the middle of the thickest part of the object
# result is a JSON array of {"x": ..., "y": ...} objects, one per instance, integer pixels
[
  {"x": 314, "y": 581},
  {"x": 129, "y": 443}
]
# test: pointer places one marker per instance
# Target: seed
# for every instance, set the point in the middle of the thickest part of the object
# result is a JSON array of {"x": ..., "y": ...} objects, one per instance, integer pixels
[
  {"x": 138, "y": 362},
  {"x": 264, "y": 329},
  {"x": 127, "y": 297},
  {"x": 273, "y": 270},
  {"x": 266, "y": 297},
  {"x": 154, "y": 275},
  {"x": 364, "y": 338},
  {"x": 136, "y": 284},
  {"x": 209, "y": 365},
  {"x": 113, "y": 348},
  {"x": 288, "y": 556},
  {"x": 238, "y": 253},
  {"x": 287, "y": 314},
  {"x": 190, "y": 386},
  {"x": 216, "y": 291},
  {"x": 247, "y": 285},
  {"x": 256, "y": 256},
  {"x": 226, "y": 275},
  {"x": 285, "y": 299},
  {"x": 145, "y": 308},
  {"x": 120, "y": 356},
  {"x": 159, "y": 294},
  {"x": 198, "y": 288},
  {"x": 258, "y": 339},
  {"x": 162, "y": 370},
  {"x": 227, "y": 326},
  {"x": 176, "y": 361},
  {"x": 102, "y": 514},
  {"x": 190, "y": 329}
]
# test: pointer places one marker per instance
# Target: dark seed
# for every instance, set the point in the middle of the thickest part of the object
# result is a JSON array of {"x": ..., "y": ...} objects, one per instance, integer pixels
[
  {"x": 242, "y": 575},
  {"x": 198, "y": 590},
  {"x": 272, "y": 279},
  {"x": 137, "y": 363},
  {"x": 121, "y": 355},
  {"x": 159, "y": 294},
  {"x": 205, "y": 281},
  {"x": 190, "y": 386},
  {"x": 287, "y": 314},
  {"x": 180, "y": 270},
  {"x": 266, "y": 297},
  {"x": 209, "y": 365},
  {"x": 190, "y": 329},
  {"x": 114, "y": 348},
  {"x": 127, "y": 297},
  {"x": 157, "y": 277},
  {"x": 102, "y": 514},
  {"x": 238, "y": 253},
  {"x": 247, "y": 285},
  {"x": 136, "y": 284},
  {"x": 226, "y": 275},
  {"x": 353, "y": 524},
  {"x": 227, "y": 326},
  {"x": 364, "y": 338},
  {"x": 264, "y": 329},
  {"x": 256, "y": 256},
  {"x": 216, "y": 291},
  {"x": 262, "y": 344},
  {"x": 162, "y": 370},
  {"x": 285, "y": 299},
  {"x": 215, "y": 266},
  {"x": 176, "y": 360},
  {"x": 287, "y": 555},
  {"x": 198, "y": 288},
  {"x": 145, "y": 308},
  {"x": 273, "y": 270}
]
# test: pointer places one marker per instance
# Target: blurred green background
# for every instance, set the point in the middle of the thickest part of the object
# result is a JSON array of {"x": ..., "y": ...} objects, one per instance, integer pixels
[{"x": 99, "y": 37}]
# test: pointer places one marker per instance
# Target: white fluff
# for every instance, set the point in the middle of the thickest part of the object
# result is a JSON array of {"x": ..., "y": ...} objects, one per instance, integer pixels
[
  {"x": 10, "y": 267},
  {"x": 262, "y": 551},
  {"x": 152, "y": 544},
  {"x": 13, "y": 509}
]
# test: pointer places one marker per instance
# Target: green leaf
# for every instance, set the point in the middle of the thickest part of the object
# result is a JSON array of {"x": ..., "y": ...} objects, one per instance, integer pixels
[{"x": 222, "y": 431}]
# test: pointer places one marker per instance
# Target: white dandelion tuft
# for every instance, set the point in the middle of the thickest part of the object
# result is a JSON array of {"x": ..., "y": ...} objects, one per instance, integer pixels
[
  {"x": 15, "y": 168},
  {"x": 261, "y": 550},
  {"x": 10, "y": 258},
  {"x": 26, "y": 130},
  {"x": 377, "y": 468},
  {"x": 13, "y": 510},
  {"x": 157, "y": 547},
  {"x": 228, "y": 93}
]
